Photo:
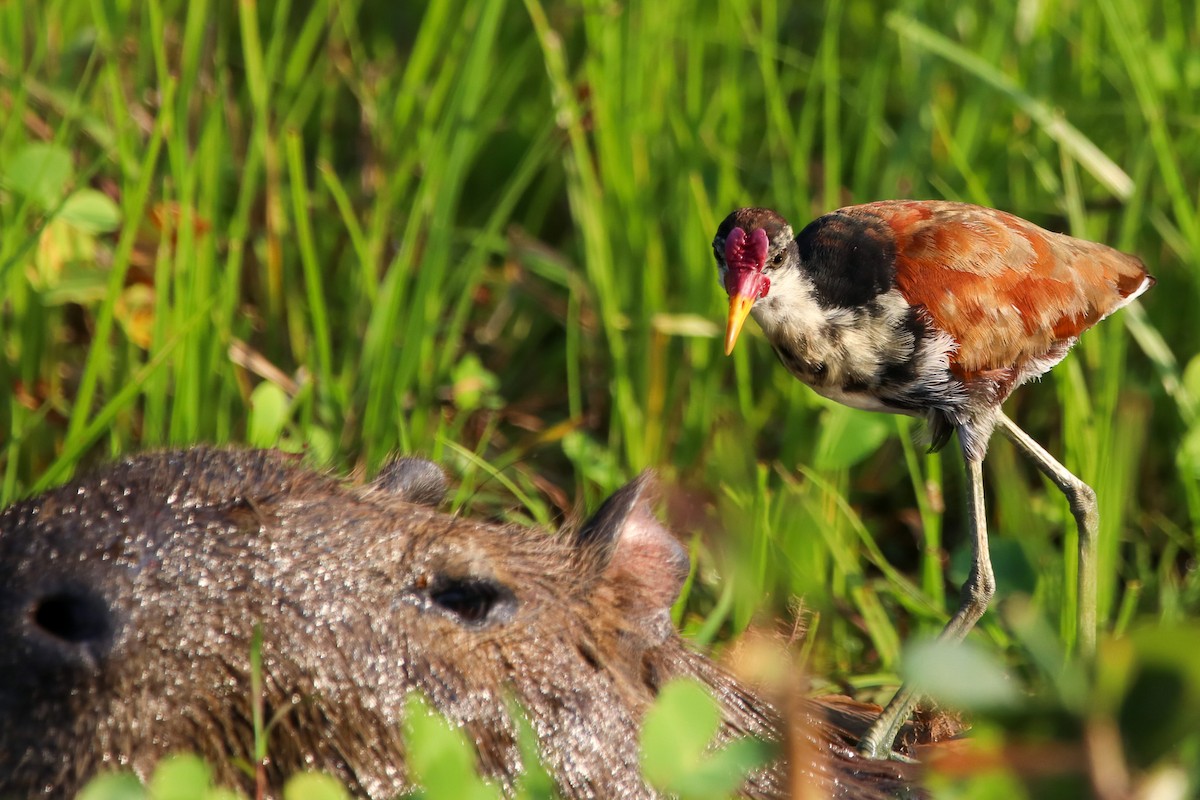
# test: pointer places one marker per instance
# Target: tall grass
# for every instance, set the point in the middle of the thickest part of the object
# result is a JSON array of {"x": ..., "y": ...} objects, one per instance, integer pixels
[{"x": 480, "y": 230}]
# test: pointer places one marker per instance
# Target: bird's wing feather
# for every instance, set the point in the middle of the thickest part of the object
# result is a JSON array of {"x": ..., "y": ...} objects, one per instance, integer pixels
[{"x": 1010, "y": 293}]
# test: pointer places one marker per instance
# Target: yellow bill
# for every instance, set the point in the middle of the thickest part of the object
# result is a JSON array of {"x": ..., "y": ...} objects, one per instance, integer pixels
[{"x": 739, "y": 309}]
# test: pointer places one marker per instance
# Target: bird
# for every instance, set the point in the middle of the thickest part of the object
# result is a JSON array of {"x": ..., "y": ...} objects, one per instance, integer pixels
[{"x": 937, "y": 310}]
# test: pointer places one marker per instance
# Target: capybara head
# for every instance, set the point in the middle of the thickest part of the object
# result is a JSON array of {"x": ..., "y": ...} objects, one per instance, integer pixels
[{"x": 130, "y": 599}]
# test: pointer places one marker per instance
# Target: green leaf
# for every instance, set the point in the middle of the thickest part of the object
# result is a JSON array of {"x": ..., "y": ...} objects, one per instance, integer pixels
[
  {"x": 181, "y": 777},
  {"x": 676, "y": 732},
  {"x": 321, "y": 445},
  {"x": 40, "y": 172},
  {"x": 440, "y": 759},
  {"x": 220, "y": 793},
  {"x": 268, "y": 414},
  {"x": 91, "y": 211},
  {"x": 848, "y": 436},
  {"x": 723, "y": 773},
  {"x": 78, "y": 282},
  {"x": 677, "y": 756},
  {"x": 1191, "y": 376},
  {"x": 596, "y": 462},
  {"x": 534, "y": 783},
  {"x": 114, "y": 786},
  {"x": 1161, "y": 705},
  {"x": 1188, "y": 456},
  {"x": 473, "y": 385},
  {"x": 959, "y": 674},
  {"x": 314, "y": 786}
]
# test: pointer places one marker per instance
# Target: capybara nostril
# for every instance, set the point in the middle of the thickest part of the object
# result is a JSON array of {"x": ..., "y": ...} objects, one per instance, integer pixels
[{"x": 74, "y": 617}]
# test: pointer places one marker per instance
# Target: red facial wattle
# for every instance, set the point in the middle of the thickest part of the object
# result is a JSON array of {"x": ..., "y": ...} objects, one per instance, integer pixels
[
  {"x": 745, "y": 253},
  {"x": 745, "y": 258}
]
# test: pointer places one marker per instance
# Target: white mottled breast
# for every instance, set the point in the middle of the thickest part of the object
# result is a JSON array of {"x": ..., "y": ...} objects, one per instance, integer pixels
[
  {"x": 867, "y": 358},
  {"x": 853, "y": 344}
]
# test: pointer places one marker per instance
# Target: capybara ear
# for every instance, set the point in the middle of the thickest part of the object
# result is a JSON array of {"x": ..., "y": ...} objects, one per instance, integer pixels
[
  {"x": 412, "y": 479},
  {"x": 634, "y": 550}
]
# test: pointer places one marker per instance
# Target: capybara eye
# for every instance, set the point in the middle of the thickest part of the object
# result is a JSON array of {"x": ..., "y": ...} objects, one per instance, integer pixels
[{"x": 474, "y": 601}]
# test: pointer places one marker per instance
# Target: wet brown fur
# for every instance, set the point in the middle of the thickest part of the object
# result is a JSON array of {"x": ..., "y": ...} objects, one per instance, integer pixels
[{"x": 169, "y": 561}]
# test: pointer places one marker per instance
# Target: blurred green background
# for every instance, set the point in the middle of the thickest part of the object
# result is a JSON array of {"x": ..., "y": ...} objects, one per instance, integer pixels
[{"x": 480, "y": 231}]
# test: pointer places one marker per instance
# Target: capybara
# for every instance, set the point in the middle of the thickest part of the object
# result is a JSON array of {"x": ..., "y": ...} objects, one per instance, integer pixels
[{"x": 129, "y": 600}]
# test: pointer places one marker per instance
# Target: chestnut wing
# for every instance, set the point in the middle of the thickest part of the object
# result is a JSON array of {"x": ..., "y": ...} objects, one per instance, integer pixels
[{"x": 1010, "y": 293}]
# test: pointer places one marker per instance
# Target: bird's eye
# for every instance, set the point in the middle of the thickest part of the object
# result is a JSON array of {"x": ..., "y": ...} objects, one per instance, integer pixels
[{"x": 778, "y": 259}]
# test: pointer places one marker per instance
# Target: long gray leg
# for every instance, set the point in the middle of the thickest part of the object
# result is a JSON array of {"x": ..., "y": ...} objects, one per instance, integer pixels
[
  {"x": 1082, "y": 499},
  {"x": 976, "y": 592}
]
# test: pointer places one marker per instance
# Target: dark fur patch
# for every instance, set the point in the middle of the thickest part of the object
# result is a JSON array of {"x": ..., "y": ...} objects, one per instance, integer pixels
[{"x": 851, "y": 260}]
